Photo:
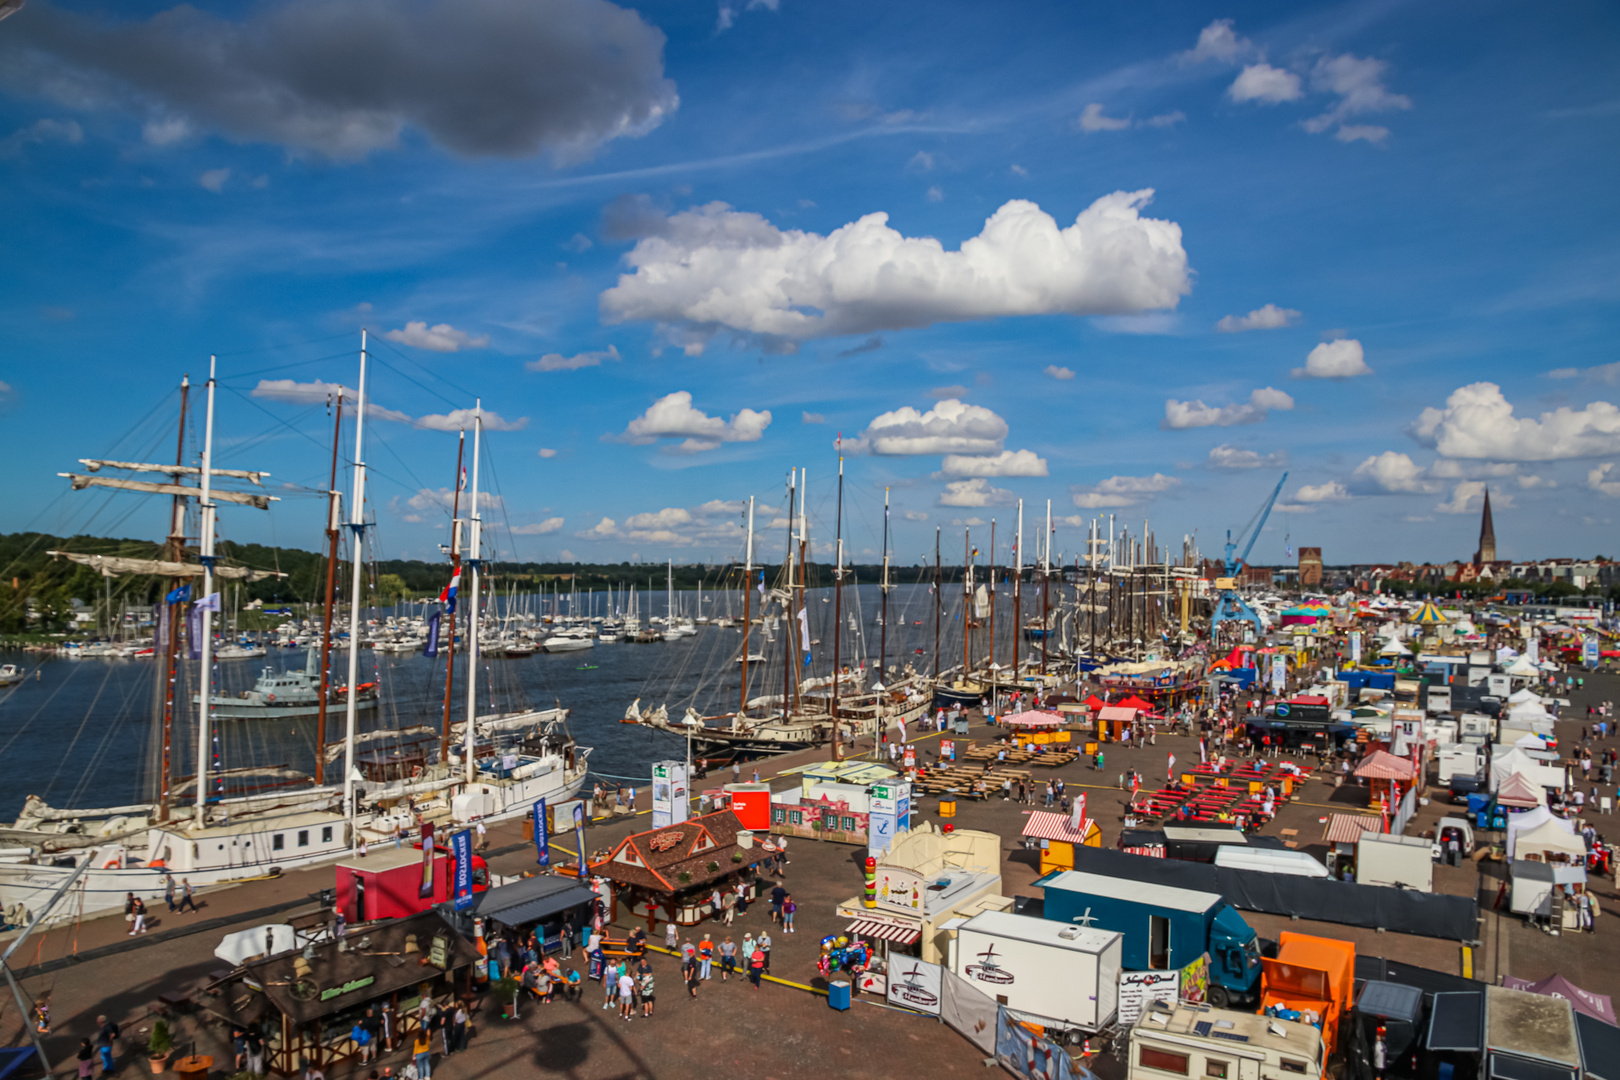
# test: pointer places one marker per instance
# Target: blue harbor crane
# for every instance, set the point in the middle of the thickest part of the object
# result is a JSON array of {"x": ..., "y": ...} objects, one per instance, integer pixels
[{"x": 1231, "y": 607}]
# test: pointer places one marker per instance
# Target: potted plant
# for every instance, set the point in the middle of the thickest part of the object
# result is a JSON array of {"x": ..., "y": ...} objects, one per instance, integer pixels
[
  {"x": 160, "y": 1045},
  {"x": 507, "y": 989}
]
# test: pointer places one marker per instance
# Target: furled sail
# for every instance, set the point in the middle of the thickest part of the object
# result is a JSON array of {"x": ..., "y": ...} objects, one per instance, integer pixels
[
  {"x": 111, "y": 565},
  {"x": 96, "y": 465},
  {"x": 261, "y": 502}
]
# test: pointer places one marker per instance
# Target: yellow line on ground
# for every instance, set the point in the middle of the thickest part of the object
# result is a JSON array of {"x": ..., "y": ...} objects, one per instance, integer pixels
[{"x": 767, "y": 978}]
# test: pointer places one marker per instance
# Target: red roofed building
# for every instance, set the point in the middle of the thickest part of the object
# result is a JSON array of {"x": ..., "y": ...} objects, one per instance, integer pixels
[{"x": 677, "y": 867}]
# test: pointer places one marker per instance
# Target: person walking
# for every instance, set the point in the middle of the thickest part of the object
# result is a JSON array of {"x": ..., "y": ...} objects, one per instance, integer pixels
[
  {"x": 778, "y": 895},
  {"x": 139, "y": 907},
  {"x": 789, "y": 906},
  {"x": 106, "y": 1036},
  {"x": 748, "y": 947},
  {"x": 610, "y": 984},
  {"x": 255, "y": 1051},
  {"x": 728, "y": 958},
  {"x": 781, "y": 856},
  {"x": 362, "y": 1041},
  {"x": 483, "y": 836},
  {"x": 168, "y": 891},
  {"x": 671, "y": 937},
  {"x": 187, "y": 897}
]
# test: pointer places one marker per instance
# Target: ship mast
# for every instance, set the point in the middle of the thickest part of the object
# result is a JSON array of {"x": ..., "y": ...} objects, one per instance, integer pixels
[
  {"x": 473, "y": 645},
  {"x": 357, "y": 525},
  {"x": 804, "y": 590},
  {"x": 992, "y": 667},
  {"x": 177, "y": 544},
  {"x": 334, "y": 523},
  {"x": 1018, "y": 588},
  {"x": 455, "y": 568},
  {"x": 883, "y": 589},
  {"x": 1046, "y": 573},
  {"x": 967, "y": 604},
  {"x": 938, "y": 586},
  {"x": 205, "y": 503},
  {"x": 748, "y": 573},
  {"x": 838, "y": 600},
  {"x": 788, "y": 652}
]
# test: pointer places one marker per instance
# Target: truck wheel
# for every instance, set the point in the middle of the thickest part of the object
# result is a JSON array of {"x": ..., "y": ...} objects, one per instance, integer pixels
[{"x": 1218, "y": 997}]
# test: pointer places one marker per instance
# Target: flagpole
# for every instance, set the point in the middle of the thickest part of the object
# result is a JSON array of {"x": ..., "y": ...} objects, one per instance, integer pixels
[
  {"x": 472, "y": 611},
  {"x": 357, "y": 523}
]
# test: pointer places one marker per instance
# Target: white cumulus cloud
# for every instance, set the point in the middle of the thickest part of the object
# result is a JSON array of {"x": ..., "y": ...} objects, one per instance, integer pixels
[
  {"x": 462, "y": 420},
  {"x": 547, "y": 452},
  {"x": 538, "y": 528},
  {"x": 1597, "y": 480},
  {"x": 1006, "y": 463},
  {"x": 559, "y": 362},
  {"x": 950, "y": 427},
  {"x": 673, "y": 417},
  {"x": 440, "y": 338},
  {"x": 166, "y": 131},
  {"x": 1123, "y": 491},
  {"x": 916, "y": 515},
  {"x": 1270, "y": 317},
  {"x": 1195, "y": 414},
  {"x": 1478, "y": 422},
  {"x": 1332, "y": 491},
  {"x": 713, "y": 268},
  {"x": 1468, "y": 497},
  {"x": 1059, "y": 373},
  {"x": 1342, "y": 359},
  {"x": 1394, "y": 472},
  {"x": 1265, "y": 84},
  {"x": 808, "y": 417},
  {"x": 976, "y": 492},
  {"x": 1092, "y": 118},
  {"x": 1218, "y": 41},
  {"x": 1233, "y": 457}
]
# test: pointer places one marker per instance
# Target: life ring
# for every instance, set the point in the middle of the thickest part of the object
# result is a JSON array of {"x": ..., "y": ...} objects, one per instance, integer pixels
[
  {"x": 416, "y": 772},
  {"x": 112, "y": 864},
  {"x": 271, "y": 698}
]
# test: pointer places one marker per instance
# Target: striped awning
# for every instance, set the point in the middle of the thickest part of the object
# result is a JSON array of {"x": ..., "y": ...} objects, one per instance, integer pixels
[
  {"x": 884, "y": 930},
  {"x": 1382, "y": 765},
  {"x": 1034, "y": 719},
  {"x": 1347, "y": 828},
  {"x": 1047, "y": 826}
]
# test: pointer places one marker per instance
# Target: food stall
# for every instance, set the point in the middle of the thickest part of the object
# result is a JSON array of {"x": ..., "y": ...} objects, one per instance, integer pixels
[
  {"x": 676, "y": 869},
  {"x": 1036, "y": 728},
  {"x": 306, "y": 1001},
  {"x": 926, "y": 885},
  {"x": 1057, "y": 836},
  {"x": 542, "y": 904}
]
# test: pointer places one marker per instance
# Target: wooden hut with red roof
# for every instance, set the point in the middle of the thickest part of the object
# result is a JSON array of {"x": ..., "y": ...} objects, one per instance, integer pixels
[{"x": 672, "y": 872}]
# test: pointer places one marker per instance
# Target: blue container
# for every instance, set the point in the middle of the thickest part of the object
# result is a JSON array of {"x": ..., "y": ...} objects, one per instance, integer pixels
[{"x": 838, "y": 995}]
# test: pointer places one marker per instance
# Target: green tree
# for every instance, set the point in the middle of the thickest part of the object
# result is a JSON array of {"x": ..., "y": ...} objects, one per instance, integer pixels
[{"x": 391, "y": 589}]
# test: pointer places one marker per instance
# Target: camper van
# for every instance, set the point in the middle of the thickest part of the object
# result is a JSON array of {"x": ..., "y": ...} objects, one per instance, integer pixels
[{"x": 1198, "y": 1041}]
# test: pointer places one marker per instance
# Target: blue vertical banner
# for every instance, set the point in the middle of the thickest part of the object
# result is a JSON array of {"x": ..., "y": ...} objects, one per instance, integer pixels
[
  {"x": 431, "y": 648},
  {"x": 461, "y": 851},
  {"x": 579, "y": 834},
  {"x": 542, "y": 835}
]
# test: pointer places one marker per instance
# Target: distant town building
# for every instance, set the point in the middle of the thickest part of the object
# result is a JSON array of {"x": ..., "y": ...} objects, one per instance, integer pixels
[{"x": 1310, "y": 567}]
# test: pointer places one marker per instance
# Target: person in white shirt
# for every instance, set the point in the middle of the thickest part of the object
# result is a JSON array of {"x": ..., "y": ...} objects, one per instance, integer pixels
[{"x": 627, "y": 989}]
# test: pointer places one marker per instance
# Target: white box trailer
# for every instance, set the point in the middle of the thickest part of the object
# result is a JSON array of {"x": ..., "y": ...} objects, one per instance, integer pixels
[
  {"x": 1466, "y": 759},
  {"x": 1405, "y": 862},
  {"x": 1062, "y": 977}
]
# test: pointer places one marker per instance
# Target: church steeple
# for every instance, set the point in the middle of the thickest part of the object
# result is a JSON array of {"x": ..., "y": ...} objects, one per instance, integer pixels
[{"x": 1487, "y": 535}]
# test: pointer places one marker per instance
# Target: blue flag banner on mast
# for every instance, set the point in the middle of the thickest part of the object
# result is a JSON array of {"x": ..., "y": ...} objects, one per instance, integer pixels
[
  {"x": 542, "y": 835},
  {"x": 579, "y": 834},
  {"x": 432, "y": 646},
  {"x": 461, "y": 851}
]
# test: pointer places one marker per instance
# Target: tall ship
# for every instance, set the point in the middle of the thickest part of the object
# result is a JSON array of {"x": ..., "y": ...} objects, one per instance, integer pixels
[{"x": 234, "y": 822}]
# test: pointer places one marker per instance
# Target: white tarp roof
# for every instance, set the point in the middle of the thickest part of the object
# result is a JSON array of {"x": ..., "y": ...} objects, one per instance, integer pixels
[
  {"x": 1523, "y": 694},
  {"x": 240, "y": 946},
  {"x": 1522, "y": 668},
  {"x": 1551, "y": 837},
  {"x": 1517, "y": 761}
]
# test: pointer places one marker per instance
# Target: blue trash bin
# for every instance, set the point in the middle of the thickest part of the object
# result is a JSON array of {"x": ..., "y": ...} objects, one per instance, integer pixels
[{"x": 838, "y": 994}]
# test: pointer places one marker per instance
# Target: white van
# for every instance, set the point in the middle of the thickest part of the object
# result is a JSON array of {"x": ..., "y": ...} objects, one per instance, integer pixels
[
  {"x": 1194, "y": 1041},
  {"x": 1270, "y": 861}
]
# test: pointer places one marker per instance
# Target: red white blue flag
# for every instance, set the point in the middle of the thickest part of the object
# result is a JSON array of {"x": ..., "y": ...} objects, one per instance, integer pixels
[{"x": 448, "y": 596}]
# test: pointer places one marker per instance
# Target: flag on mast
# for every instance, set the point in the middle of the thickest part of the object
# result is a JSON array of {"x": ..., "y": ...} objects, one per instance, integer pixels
[{"x": 448, "y": 596}]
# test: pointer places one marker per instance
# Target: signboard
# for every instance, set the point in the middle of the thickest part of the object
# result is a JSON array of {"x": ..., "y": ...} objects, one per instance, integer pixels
[
  {"x": 670, "y": 791},
  {"x": 439, "y": 952},
  {"x": 880, "y": 827},
  {"x": 947, "y": 749},
  {"x": 909, "y": 758},
  {"x": 1279, "y": 674},
  {"x": 1138, "y": 989},
  {"x": 1589, "y": 651},
  {"x": 542, "y": 833},
  {"x": 461, "y": 852},
  {"x": 579, "y": 834},
  {"x": 1195, "y": 980},
  {"x": 900, "y": 890},
  {"x": 426, "y": 891},
  {"x": 902, "y": 808},
  {"x": 1355, "y": 646},
  {"x": 915, "y": 984},
  {"x": 347, "y": 988}
]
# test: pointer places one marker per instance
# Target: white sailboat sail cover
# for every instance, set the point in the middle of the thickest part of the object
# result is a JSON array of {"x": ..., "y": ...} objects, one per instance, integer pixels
[
  {"x": 261, "y": 502},
  {"x": 111, "y": 565}
]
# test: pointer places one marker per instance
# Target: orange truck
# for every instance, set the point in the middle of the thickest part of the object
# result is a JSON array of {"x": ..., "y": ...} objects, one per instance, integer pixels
[{"x": 1312, "y": 979}]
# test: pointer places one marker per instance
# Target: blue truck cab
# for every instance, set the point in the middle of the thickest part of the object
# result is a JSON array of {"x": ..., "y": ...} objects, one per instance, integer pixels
[{"x": 1164, "y": 928}]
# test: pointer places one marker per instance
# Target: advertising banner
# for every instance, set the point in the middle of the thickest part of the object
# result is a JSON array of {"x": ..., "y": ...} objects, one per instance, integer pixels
[
  {"x": 1138, "y": 988},
  {"x": 915, "y": 984},
  {"x": 426, "y": 890},
  {"x": 461, "y": 851},
  {"x": 880, "y": 830},
  {"x": 1024, "y": 1053},
  {"x": 1589, "y": 651},
  {"x": 1355, "y": 646},
  {"x": 669, "y": 793},
  {"x": 579, "y": 835},
  {"x": 1195, "y": 980},
  {"x": 542, "y": 834},
  {"x": 1279, "y": 675}
]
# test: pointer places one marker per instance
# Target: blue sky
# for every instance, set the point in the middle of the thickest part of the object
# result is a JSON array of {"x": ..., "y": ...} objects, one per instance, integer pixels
[{"x": 1380, "y": 252}]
